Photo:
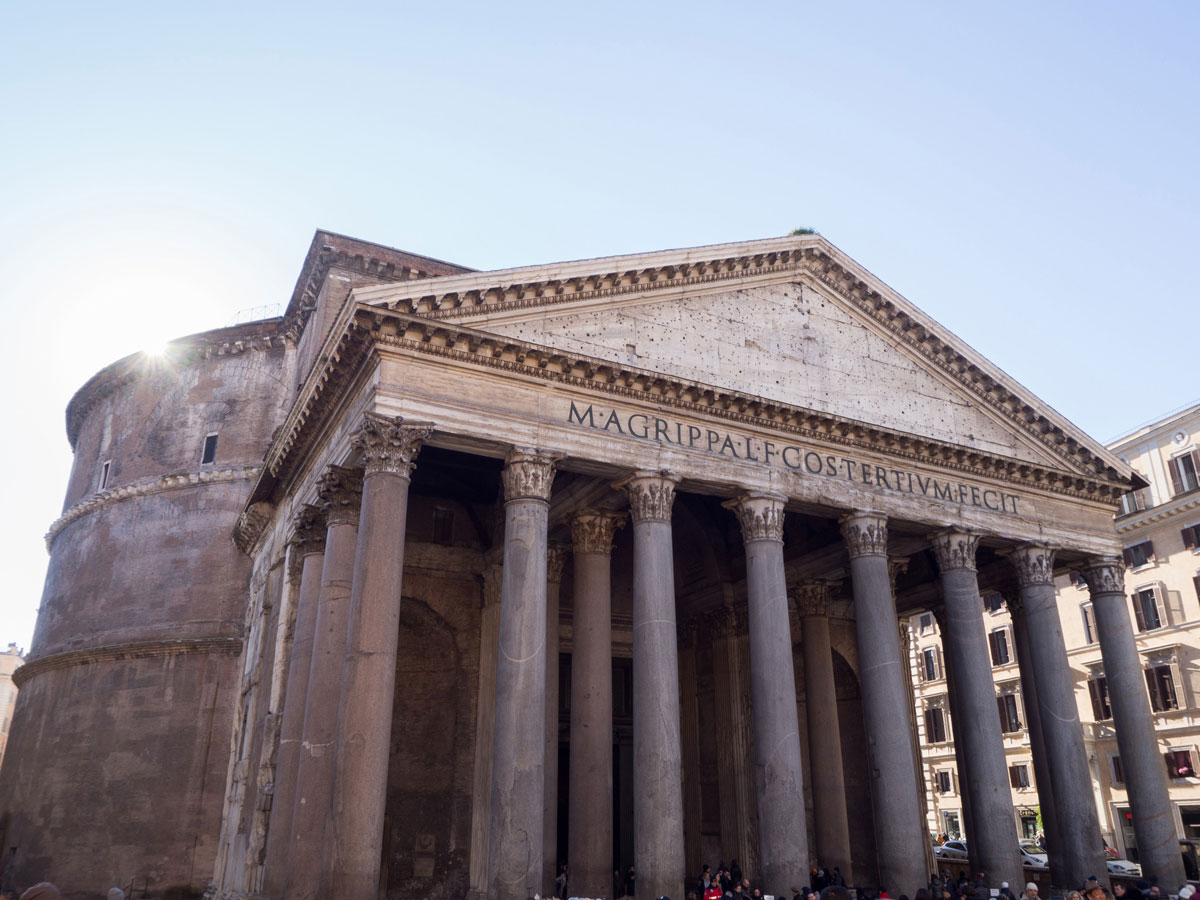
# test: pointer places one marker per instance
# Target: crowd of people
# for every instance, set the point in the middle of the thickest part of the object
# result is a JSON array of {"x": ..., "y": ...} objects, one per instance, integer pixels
[{"x": 46, "y": 891}]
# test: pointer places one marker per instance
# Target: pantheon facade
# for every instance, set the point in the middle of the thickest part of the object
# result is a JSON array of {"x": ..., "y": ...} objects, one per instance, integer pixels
[{"x": 445, "y": 578}]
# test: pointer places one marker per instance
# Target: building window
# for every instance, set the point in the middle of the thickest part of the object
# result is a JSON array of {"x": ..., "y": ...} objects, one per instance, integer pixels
[
  {"x": 950, "y": 825},
  {"x": 1098, "y": 690},
  {"x": 1196, "y": 585},
  {"x": 1191, "y": 538},
  {"x": 1018, "y": 776},
  {"x": 935, "y": 725},
  {"x": 1161, "y": 684},
  {"x": 104, "y": 470},
  {"x": 210, "y": 450},
  {"x": 929, "y": 664},
  {"x": 1145, "y": 609},
  {"x": 1139, "y": 554},
  {"x": 1009, "y": 720},
  {"x": 1183, "y": 472},
  {"x": 925, "y": 623},
  {"x": 944, "y": 781},
  {"x": 1135, "y": 501},
  {"x": 1179, "y": 763},
  {"x": 1089, "y": 623},
  {"x": 993, "y": 602},
  {"x": 998, "y": 641},
  {"x": 1118, "y": 773}
]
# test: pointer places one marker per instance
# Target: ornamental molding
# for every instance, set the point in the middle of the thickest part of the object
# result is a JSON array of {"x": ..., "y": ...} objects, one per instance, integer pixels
[
  {"x": 1034, "y": 564},
  {"x": 388, "y": 445},
  {"x": 1159, "y": 513},
  {"x": 339, "y": 492},
  {"x": 251, "y": 525},
  {"x": 592, "y": 531},
  {"x": 556, "y": 558},
  {"x": 865, "y": 534},
  {"x": 134, "y": 650},
  {"x": 308, "y": 537},
  {"x": 146, "y": 487},
  {"x": 494, "y": 293},
  {"x": 1104, "y": 575},
  {"x": 954, "y": 548},
  {"x": 528, "y": 474},
  {"x": 368, "y": 330},
  {"x": 651, "y": 495},
  {"x": 813, "y": 598},
  {"x": 760, "y": 514}
]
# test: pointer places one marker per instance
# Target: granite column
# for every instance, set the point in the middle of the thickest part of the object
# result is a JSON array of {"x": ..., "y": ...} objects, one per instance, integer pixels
[
  {"x": 556, "y": 558},
  {"x": 900, "y": 834},
  {"x": 590, "y": 813},
  {"x": 658, "y": 852},
  {"x": 516, "y": 849},
  {"x": 1145, "y": 773}
]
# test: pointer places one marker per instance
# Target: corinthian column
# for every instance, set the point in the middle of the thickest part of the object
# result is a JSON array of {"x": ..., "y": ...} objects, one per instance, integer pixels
[
  {"x": 307, "y": 556},
  {"x": 658, "y": 853},
  {"x": 340, "y": 493},
  {"x": 556, "y": 558},
  {"x": 388, "y": 448},
  {"x": 590, "y": 814},
  {"x": 994, "y": 848},
  {"x": 1145, "y": 774},
  {"x": 1057, "y": 712},
  {"x": 899, "y": 819},
  {"x": 832, "y": 824},
  {"x": 783, "y": 841},
  {"x": 519, "y": 747}
]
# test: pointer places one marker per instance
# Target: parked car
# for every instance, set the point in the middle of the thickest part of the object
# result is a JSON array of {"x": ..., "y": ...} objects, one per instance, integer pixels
[
  {"x": 1033, "y": 855},
  {"x": 1124, "y": 867},
  {"x": 951, "y": 850}
]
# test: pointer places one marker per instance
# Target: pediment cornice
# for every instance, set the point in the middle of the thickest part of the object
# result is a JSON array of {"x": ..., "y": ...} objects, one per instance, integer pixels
[
  {"x": 517, "y": 291},
  {"x": 367, "y": 330}
]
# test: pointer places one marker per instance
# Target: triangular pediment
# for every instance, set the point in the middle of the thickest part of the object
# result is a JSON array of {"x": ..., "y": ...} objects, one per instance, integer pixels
[{"x": 791, "y": 320}]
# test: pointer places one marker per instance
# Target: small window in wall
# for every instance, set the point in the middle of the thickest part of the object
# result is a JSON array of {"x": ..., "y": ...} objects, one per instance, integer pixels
[
  {"x": 1098, "y": 691},
  {"x": 1160, "y": 682},
  {"x": 935, "y": 725},
  {"x": 930, "y": 665},
  {"x": 1010, "y": 722},
  {"x": 1018, "y": 775},
  {"x": 1076, "y": 580},
  {"x": 1139, "y": 554},
  {"x": 1145, "y": 609},
  {"x": 944, "y": 782},
  {"x": 993, "y": 602},
  {"x": 1118, "y": 773},
  {"x": 1135, "y": 501},
  {"x": 925, "y": 623},
  {"x": 210, "y": 450},
  {"x": 998, "y": 641},
  {"x": 1089, "y": 623},
  {"x": 1184, "y": 470},
  {"x": 1179, "y": 764},
  {"x": 104, "y": 472}
]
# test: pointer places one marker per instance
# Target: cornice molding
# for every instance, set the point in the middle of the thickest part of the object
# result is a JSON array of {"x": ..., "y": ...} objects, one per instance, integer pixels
[
  {"x": 145, "y": 487},
  {"x": 1159, "y": 513},
  {"x": 134, "y": 650},
  {"x": 456, "y": 297}
]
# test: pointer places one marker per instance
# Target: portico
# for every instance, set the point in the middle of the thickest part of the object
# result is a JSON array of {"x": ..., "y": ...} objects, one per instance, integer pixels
[{"x": 730, "y": 536}]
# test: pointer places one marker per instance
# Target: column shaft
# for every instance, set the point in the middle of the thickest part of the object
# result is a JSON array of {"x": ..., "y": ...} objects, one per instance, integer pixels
[
  {"x": 994, "y": 849},
  {"x": 556, "y": 556},
  {"x": 779, "y": 777},
  {"x": 340, "y": 490},
  {"x": 1145, "y": 773},
  {"x": 369, "y": 683},
  {"x": 309, "y": 548},
  {"x": 590, "y": 810},
  {"x": 831, "y": 822},
  {"x": 518, "y": 756},
  {"x": 657, "y": 764},
  {"x": 900, "y": 834}
]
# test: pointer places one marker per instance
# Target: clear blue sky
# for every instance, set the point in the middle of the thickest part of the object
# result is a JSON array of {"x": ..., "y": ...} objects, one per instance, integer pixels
[{"x": 1024, "y": 172}]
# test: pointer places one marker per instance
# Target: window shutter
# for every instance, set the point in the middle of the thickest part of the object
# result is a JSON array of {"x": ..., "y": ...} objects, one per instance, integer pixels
[
  {"x": 1013, "y": 779},
  {"x": 1196, "y": 461},
  {"x": 1127, "y": 555},
  {"x": 929, "y": 726},
  {"x": 1094, "y": 692},
  {"x": 1152, "y": 688},
  {"x": 1137, "y": 611},
  {"x": 1003, "y": 711},
  {"x": 1196, "y": 585},
  {"x": 1141, "y": 498},
  {"x": 1189, "y": 537},
  {"x": 1149, "y": 550},
  {"x": 1176, "y": 476}
]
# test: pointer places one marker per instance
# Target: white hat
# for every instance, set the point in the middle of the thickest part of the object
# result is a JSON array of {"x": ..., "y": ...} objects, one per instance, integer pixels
[
  {"x": 1186, "y": 891},
  {"x": 1031, "y": 886},
  {"x": 1004, "y": 884}
]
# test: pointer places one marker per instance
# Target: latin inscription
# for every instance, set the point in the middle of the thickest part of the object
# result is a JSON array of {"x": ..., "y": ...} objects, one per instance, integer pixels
[{"x": 790, "y": 456}]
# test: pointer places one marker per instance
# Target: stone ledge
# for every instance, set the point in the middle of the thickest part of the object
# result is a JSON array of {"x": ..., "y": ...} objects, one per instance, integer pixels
[
  {"x": 148, "y": 486},
  {"x": 139, "y": 650}
]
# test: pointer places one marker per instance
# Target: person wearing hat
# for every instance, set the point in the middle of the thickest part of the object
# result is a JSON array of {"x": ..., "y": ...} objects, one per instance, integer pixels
[
  {"x": 1006, "y": 891},
  {"x": 1093, "y": 889},
  {"x": 1031, "y": 892},
  {"x": 1186, "y": 892},
  {"x": 43, "y": 890}
]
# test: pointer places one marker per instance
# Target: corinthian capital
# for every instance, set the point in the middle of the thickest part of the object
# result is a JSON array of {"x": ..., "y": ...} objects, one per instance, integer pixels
[
  {"x": 651, "y": 495},
  {"x": 388, "y": 445},
  {"x": 760, "y": 515},
  {"x": 308, "y": 534},
  {"x": 556, "y": 558},
  {"x": 528, "y": 474},
  {"x": 592, "y": 531},
  {"x": 1034, "y": 564},
  {"x": 1104, "y": 575},
  {"x": 339, "y": 491},
  {"x": 954, "y": 548},
  {"x": 897, "y": 566},
  {"x": 813, "y": 597},
  {"x": 865, "y": 533}
]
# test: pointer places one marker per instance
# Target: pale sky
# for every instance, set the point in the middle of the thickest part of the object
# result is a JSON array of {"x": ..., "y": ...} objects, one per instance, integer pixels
[{"x": 1024, "y": 172}]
